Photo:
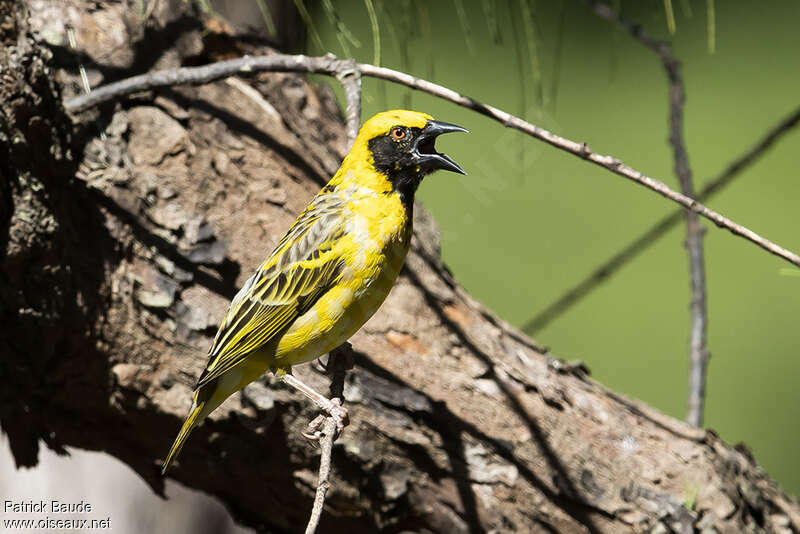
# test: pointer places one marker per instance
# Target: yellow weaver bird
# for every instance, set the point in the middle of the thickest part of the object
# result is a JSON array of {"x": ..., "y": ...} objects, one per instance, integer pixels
[{"x": 332, "y": 269}]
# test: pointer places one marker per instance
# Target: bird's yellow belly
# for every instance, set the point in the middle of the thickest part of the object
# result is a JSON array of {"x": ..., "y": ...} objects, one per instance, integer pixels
[{"x": 342, "y": 310}]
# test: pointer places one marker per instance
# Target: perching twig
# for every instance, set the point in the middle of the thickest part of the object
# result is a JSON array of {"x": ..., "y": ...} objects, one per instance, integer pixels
[
  {"x": 698, "y": 352},
  {"x": 339, "y": 362},
  {"x": 609, "y": 267},
  {"x": 323, "y": 483},
  {"x": 331, "y": 65}
]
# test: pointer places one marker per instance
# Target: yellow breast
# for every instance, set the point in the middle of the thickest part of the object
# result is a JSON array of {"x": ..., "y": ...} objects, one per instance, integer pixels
[{"x": 378, "y": 233}]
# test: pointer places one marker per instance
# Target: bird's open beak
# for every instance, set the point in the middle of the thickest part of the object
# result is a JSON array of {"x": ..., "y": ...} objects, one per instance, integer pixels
[{"x": 425, "y": 153}]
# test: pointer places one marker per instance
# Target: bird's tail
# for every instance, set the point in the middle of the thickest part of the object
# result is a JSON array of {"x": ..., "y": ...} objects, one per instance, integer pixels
[{"x": 196, "y": 414}]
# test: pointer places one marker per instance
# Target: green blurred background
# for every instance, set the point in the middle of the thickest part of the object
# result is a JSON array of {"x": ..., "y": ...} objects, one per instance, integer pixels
[{"x": 530, "y": 221}]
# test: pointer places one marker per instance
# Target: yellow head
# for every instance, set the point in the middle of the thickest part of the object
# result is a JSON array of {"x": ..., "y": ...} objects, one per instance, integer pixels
[
  {"x": 399, "y": 144},
  {"x": 382, "y": 122}
]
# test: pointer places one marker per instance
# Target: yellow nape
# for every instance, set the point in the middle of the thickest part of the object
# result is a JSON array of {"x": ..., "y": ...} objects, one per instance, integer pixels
[{"x": 381, "y": 123}]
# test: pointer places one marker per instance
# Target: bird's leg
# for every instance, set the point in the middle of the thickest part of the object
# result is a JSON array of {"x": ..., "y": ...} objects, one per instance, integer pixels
[
  {"x": 339, "y": 359},
  {"x": 331, "y": 407}
]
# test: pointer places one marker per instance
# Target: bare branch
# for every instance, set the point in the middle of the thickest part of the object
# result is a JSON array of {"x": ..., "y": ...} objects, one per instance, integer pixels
[
  {"x": 698, "y": 352},
  {"x": 583, "y": 151},
  {"x": 339, "y": 361},
  {"x": 323, "y": 482},
  {"x": 331, "y": 65},
  {"x": 609, "y": 267}
]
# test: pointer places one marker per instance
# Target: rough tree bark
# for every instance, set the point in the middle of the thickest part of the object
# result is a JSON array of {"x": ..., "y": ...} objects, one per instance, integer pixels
[{"x": 120, "y": 255}]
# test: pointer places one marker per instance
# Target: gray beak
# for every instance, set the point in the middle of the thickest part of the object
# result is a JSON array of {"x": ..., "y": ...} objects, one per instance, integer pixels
[{"x": 425, "y": 151}]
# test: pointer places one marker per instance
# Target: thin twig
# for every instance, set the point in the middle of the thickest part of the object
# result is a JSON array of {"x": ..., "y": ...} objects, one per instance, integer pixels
[
  {"x": 339, "y": 362},
  {"x": 329, "y": 64},
  {"x": 350, "y": 78},
  {"x": 323, "y": 483},
  {"x": 698, "y": 351},
  {"x": 609, "y": 267}
]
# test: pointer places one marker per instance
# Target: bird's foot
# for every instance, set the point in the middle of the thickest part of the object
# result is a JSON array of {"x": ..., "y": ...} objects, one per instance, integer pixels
[{"x": 334, "y": 410}]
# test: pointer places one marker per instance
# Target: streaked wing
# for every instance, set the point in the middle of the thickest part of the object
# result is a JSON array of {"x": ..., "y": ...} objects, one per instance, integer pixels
[{"x": 302, "y": 268}]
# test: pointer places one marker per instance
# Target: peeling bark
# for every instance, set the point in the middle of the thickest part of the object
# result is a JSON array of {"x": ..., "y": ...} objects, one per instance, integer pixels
[{"x": 121, "y": 254}]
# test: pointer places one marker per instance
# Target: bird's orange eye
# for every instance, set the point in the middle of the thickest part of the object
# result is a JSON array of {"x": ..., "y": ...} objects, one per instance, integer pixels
[{"x": 398, "y": 133}]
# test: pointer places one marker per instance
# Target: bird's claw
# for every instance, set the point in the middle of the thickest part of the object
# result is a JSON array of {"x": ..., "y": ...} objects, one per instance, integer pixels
[
  {"x": 337, "y": 412},
  {"x": 313, "y": 431},
  {"x": 340, "y": 415}
]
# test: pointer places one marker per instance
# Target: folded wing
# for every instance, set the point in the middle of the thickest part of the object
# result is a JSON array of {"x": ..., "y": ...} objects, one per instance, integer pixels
[{"x": 302, "y": 268}]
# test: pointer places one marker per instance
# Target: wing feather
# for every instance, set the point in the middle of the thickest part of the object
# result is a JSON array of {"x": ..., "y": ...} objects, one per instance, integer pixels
[{"x": 302, "y": 268}]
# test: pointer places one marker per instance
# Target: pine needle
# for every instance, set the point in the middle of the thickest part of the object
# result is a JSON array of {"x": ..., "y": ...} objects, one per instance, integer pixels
[
  {"x": 206, "y": 7},
  {"x": 376, "y": 32},
  {"x": 557, "y": 55},
  {"x": 533, "y": 55},
  {"x": 490, "y": 12},
  {"x": 312, "y": 29},
  {"x": 343, "y": 33},
  {"x": 409, "y": 30},
  {"x": 613, "y": 57},
  {"x": 519, "y": 53},
  {"x": 427, "y": 33},
  {"x": 670, "y": 16},
  {"x": 465, "y": 27},
  {"x": 267, "y": 16},
  {"x": 390, "y": 26},
  {"x": 396, "y": 44},
  {"x": 712, "y": 26}
]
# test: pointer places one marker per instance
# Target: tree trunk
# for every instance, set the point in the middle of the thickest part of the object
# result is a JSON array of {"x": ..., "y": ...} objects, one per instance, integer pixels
[{"x": 121, "y": 252}]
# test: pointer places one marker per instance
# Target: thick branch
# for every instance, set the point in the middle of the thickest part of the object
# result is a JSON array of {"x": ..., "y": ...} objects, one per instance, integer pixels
[
  {"x": 698, "y": 352},
  {"x": 605, "y": 270},
  {"x": 331, "y": 65}
]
